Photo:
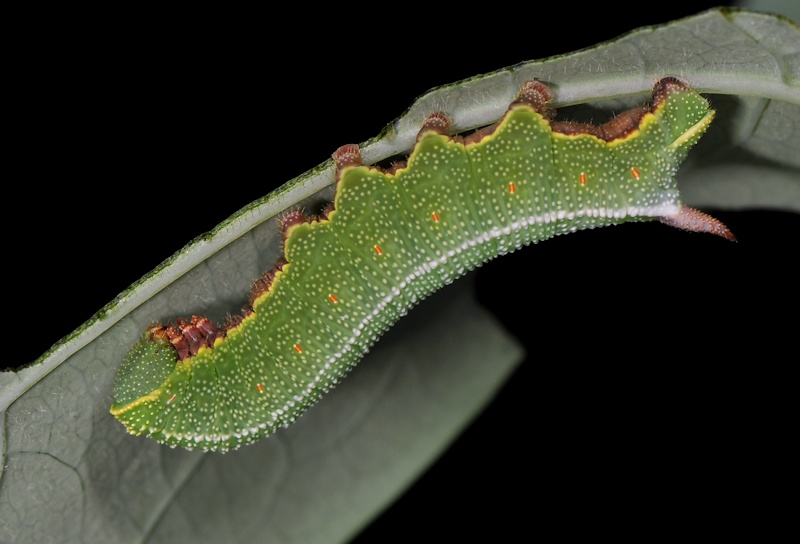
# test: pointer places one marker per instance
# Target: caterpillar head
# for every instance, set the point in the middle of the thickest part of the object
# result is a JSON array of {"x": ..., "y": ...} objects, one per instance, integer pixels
[{"x": 147, "y": 365}]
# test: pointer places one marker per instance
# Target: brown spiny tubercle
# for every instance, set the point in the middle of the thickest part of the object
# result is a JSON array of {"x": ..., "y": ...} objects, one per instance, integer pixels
[
  {"x": 291, "y": 219},
  {"x": 536, "y": 95},
  {"x": 437, "y": 123},
  {"x": 346, "y": 155}
]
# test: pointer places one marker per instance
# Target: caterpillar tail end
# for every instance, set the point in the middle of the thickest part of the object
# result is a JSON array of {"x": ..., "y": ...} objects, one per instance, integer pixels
[
  {"x": 694, "y": 220},
  {"x": 143, "y": 371}
]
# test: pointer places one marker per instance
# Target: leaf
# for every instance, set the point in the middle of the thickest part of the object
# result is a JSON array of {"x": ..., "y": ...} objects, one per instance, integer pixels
[{"x": 70, "y": 472}]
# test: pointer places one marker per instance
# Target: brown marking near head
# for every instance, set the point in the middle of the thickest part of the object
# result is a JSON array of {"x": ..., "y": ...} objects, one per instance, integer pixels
[
  {"x": 186, "y": 337},
  {"x": 156, "y": 331},
  {"x": 194, "y": 337},
  {"x": 178, "y": 341},
  {"x": 207, "y": 329}
]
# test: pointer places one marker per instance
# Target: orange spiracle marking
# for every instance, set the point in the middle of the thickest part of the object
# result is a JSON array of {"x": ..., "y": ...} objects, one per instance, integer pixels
[
  {"x": 635, "y": 173},
  {"x": 333, "y": 298},
  {"x": 512, "y": 187},
  {"x": 435, "y": 217},
  {"x": 378, "y": 249},
  {"x": 169, "y": 400},
  {"x": 260, "y": 388},
  {"x": 297, "y": 348},
  {"x": 583, "y": 179}
]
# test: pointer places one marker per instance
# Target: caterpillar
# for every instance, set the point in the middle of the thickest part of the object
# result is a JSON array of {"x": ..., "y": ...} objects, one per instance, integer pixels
[{"x": 391, "y": 237}]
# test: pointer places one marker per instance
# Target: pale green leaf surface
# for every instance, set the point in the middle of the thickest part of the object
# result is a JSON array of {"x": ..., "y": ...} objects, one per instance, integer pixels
[{"x": 70, "y": 473}]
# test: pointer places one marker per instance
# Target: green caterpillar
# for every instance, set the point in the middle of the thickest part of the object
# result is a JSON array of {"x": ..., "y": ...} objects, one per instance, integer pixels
[{"x": 391, "y": 238}]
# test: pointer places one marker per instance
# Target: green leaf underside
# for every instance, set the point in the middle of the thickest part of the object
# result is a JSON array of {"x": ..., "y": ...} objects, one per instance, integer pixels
[{"x": 393, "y": 240}]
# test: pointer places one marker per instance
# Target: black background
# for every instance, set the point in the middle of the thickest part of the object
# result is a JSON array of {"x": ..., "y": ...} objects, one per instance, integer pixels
[{"x": 629, "y": 417}]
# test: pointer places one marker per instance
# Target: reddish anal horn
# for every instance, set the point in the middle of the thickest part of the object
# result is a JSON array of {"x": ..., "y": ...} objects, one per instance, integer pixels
[{"x": 696, "y": 221}]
